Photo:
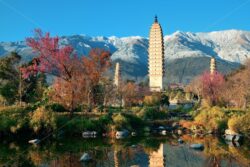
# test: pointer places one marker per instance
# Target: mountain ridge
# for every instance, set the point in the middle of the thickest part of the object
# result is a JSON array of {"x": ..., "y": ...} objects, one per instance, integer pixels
[{"x": 230, "y": 47}]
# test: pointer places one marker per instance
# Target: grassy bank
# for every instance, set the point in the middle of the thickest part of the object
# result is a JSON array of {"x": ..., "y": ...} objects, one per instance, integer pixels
[{"x": 42, "y": 121}]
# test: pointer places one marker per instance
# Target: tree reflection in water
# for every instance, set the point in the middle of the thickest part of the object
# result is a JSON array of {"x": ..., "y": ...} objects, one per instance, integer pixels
[{"x": 131, "y": 152}]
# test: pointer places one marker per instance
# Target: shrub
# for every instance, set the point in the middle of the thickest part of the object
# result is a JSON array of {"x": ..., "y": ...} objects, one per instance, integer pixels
[
  {"x": 57, "y": 107},
  {"x": 177, "y": 94},
  {"x": 14, "y": 118},
  {"x": 127, "y": 121},
  {"x": 240, "y": 124},
  {"x": 135, "y": 109},
  {"x": 152, "y": 113},
  {"x": 42, "y": 118},
  {"x": 6, "y": 123},
  {"x": 120, "y": 121},
  {"x": 212, "y": 118},
  {"x": 102, "y": 123},
  {"x": 152, "y": 100},
  {"x": 105, "y": 119}
]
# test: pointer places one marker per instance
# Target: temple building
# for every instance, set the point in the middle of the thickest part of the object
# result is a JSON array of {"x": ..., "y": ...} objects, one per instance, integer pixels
[
  {"x": 212, "y": 65},
  {"x": 117, "y": 78},
  {"x": 156, "y": 57}
]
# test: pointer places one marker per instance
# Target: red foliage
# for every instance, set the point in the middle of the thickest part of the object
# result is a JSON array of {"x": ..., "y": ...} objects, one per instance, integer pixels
[
  {"x": 68, "y": 94},
  {"x": 75, "y": 77},
  {"x": 212, "y": 85},
  {"x": 95, "y": 64},
  {"x": 133, "y": 94},
  {"x": 51, "y": 59}
]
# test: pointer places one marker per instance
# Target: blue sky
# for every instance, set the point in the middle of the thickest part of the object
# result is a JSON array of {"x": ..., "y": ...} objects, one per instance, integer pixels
[{"x": 120, "y": 18}]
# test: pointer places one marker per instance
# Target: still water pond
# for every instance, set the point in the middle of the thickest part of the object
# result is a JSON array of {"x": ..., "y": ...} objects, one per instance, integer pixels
[{"x": 139, "y": 151}]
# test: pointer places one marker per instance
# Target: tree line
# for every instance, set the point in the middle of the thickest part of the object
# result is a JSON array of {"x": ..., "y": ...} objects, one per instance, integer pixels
[{"x": 232, "y": 90}]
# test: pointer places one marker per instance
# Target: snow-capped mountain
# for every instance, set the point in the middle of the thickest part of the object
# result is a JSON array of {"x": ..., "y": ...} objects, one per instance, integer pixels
[
  {"x": 231, "y": 45},
  {"x": 187, "y": 54}
]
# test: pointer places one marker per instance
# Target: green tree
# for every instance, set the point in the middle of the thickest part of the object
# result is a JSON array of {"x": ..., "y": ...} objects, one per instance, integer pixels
[
  {"x": 33, "y": 88},
  {"x": 164, "y": 100},
  {"x": 9, "y": 77},
  {"x": 13, "y": 87}
]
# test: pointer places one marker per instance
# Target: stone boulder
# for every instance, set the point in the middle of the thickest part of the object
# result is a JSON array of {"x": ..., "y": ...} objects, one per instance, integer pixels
[
  {"x": 197, "y": 146},
  {"x": 231, "y": 135},
  {"x": 179, "y": 131},
  {"x": 89, "y": 134},
  {"x": 34, "y": 141},
  {"x": 133, "y": 134},
  {"x": 163, "y": 132},
  {"x": 233, "y": 144},
  {"x": 122, "y": 134},
  {"x": 180, "y": 141},
  {"x": 85, "y": 157}
]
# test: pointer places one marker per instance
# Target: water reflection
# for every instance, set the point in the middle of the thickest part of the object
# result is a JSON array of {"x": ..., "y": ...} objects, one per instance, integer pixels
[
  {"x": 158, "y": 158},
  {"x": 143, "y": 152}
]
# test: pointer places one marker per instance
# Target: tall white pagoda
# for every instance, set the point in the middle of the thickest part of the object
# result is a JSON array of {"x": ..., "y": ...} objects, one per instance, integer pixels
[{"x": 156, "y": 57}]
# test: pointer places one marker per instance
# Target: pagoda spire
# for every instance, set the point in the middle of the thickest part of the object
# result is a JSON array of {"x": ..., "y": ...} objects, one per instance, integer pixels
[{"x": 156, "y": 19}]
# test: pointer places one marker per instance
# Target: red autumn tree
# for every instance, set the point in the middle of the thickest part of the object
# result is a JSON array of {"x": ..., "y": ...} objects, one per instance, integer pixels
[
  {"x": 52, "y": 59},
  {"x": 60, "y": 62},
  {"x": 69, "y": 94},
  {"x": 129, "y": 93},
  {"x": 76, "y": 78},
  {"x": 195, "y": 86},
  {"x": 212, "y": 85},
  {"x": 237, "y": 90},
  {"x": 95, "y": 65}
]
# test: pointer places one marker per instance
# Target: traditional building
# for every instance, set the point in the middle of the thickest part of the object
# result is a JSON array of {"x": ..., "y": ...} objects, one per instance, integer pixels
[
  {"x": 212, "y": 65},
  {"x": 156, "y": 57},
  {"x": 117, "y": 78}
]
